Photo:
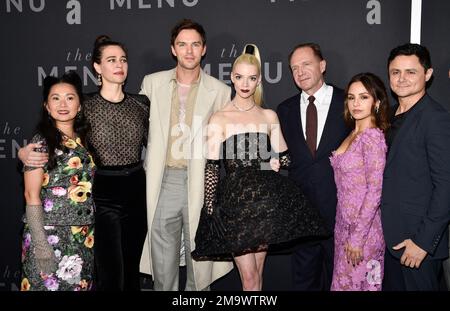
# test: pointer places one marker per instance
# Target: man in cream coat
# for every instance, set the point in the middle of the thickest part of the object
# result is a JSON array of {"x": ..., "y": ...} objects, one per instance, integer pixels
[{"x": 182, "y": 100}]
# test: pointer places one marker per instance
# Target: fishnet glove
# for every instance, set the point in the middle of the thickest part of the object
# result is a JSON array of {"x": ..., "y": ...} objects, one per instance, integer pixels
[
  {"x": 285, "y": 159},
  {"x": 43, "y": 251},
  {"x": 212, "y": 175}
]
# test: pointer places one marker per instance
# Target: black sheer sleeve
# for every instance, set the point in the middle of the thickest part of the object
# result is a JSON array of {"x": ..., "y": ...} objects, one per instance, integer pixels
[{"x": 144, "y": 103}]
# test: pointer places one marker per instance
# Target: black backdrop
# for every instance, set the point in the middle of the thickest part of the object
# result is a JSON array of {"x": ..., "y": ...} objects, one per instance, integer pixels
[{"x": 42, "y": 37}]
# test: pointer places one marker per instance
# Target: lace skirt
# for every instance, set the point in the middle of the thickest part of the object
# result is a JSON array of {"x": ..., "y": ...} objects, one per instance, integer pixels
[{"x": 255, "y": 209}]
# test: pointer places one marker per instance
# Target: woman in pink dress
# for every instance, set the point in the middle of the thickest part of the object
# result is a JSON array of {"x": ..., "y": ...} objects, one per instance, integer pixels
[{"x": 358, "y": 166}]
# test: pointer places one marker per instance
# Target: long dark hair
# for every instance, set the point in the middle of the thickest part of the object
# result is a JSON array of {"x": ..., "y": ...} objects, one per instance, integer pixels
[
  {"x": 47, "y": 126},
  {"x": 375, "y": 87}
]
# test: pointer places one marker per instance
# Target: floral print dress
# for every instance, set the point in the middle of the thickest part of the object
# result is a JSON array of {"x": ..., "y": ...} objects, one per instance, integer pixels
[
  {"x": 358, "y": 173},
  {"x": 68, "y": 222}
]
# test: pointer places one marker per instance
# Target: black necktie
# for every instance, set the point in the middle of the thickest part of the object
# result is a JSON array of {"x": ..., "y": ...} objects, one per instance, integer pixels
[{"x": 311, "y": 125}]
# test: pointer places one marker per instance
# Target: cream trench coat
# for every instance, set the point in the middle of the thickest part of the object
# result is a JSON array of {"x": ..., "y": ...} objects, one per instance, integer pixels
[{"x": 211, "y": 96}]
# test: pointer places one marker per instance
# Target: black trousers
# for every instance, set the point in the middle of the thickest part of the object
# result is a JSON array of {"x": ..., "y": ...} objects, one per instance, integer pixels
[
  {"x": 120, "y": 226},
  {"x": 398, "y": 277},
  {"x": 312, "y": 265}
]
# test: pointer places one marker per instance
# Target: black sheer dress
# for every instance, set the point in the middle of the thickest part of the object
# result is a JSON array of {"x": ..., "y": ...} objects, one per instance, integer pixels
[{"x": 253, "y": 206}]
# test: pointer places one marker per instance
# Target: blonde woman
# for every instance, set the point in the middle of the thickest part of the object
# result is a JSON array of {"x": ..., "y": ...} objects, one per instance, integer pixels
[{"x": 253, "y": 206}]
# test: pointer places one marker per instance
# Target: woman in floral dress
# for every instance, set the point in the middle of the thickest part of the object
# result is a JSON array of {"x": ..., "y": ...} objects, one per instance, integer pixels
[
  {"x": 58, "y": 238},
  {"x": 358, "y": 166}
]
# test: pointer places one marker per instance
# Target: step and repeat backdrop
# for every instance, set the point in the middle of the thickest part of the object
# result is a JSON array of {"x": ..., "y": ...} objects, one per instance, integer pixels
[{"x": 49, "y": 37}]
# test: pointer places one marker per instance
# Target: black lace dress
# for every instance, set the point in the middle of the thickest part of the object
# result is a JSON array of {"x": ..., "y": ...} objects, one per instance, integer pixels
[{"x": 253, "y": 206}]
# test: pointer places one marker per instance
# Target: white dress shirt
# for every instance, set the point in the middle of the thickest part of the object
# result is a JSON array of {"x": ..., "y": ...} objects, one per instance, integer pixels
[{"x": 322, "y": 101}]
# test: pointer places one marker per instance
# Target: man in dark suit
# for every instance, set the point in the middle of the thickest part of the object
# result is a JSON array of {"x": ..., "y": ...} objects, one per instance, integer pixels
[
  {"x": 313, "y": 126},
  {"x": 415, "y": 207}
]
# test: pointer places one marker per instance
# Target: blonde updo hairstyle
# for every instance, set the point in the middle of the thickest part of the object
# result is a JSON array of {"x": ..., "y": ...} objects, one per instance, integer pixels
[{"x": 250, "y": 55}]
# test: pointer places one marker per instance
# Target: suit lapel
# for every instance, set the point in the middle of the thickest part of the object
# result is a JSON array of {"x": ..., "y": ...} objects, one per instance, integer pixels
[
  {"x": 332, "y": 115},
  {"x": 296, "y": 115},
  {"x": 411, "y": 116}
]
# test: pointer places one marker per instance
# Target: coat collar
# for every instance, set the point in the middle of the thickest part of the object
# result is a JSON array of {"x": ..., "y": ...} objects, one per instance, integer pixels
[{"x": 203, "y": 102}]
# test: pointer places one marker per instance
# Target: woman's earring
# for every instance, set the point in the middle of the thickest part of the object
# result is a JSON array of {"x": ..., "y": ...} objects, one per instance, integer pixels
[
  {"x": 377, "y": 108},
  {"x": 99, "y": 79}
]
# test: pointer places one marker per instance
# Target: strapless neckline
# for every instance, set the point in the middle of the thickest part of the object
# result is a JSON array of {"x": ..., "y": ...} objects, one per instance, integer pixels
[{"x": 245, "y": 133}]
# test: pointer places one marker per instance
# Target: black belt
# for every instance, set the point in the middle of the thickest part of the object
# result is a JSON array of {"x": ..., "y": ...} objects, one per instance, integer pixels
[{"x": 119, "y": 170}]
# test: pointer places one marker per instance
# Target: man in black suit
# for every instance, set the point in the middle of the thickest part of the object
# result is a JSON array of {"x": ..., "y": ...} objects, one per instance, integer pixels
[
  {"x": 415, "y": 206},
  {"x": 313, "y": 126}
]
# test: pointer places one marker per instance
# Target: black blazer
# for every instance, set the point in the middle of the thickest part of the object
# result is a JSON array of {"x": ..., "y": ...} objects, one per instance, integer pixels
[
  {"x": 314, "y": 175},
  {"x": 416, "y": 185}
]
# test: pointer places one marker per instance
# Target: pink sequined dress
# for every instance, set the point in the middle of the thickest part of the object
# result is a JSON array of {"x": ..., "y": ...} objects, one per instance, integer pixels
[{"x": 358, "y": 174}]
